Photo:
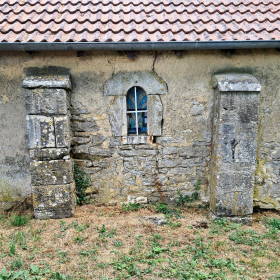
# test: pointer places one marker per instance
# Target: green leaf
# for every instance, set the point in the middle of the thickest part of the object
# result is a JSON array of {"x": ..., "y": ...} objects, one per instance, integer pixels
[
  {"x": 17, "y": 274},
  {"x": 35, "y": 269},
  {"x": 26, "y": 274},
  {"x": 3, "y": 272}
]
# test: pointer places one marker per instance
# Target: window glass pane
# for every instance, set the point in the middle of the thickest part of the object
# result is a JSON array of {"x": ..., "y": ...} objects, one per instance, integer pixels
[
  {"x": 142, "y": 123},
  {"x": 131, "y": 123},
  {"x": 141, "y": 99},
  {"x": 130, "y": 100}
]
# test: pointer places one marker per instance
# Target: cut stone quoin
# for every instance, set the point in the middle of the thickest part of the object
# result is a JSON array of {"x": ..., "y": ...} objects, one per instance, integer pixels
[
  {"x": 54, "y": 201},
  {"x": 46, "y": 102}
]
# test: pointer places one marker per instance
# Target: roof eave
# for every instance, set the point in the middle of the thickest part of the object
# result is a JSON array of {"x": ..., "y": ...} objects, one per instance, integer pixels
[{"x": 137, "y": 46}]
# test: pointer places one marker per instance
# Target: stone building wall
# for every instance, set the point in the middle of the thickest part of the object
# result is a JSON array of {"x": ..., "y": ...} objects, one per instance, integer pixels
[{"x": 163, "y": 165}]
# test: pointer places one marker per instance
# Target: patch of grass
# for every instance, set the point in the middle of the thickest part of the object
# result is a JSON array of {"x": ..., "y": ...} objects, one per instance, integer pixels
[
  {"x": 219, "y": 226},
  {"x": 131, "y": 207},
  {"x": 118, "y": 245},
  {"x": 247, "y": 237},
  {"x": 34, "y": 272},
  {"x": 19, "y": 221},
  {"x": 272, "y": 223}
]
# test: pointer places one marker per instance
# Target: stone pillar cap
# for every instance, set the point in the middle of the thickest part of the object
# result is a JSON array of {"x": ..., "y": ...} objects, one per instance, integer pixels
[
  {"x": 236, "y": 82},
  {"x": 47, "y": 81}
]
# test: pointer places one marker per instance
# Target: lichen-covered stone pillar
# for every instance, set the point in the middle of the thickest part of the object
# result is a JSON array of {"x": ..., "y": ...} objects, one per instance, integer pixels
[
  {"x": 233, "y": 162},
  {"x": 47, "y": 104}
]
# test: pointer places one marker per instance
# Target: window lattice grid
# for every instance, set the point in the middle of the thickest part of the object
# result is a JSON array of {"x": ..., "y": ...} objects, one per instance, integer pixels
[{"x": 136, "y": 101}]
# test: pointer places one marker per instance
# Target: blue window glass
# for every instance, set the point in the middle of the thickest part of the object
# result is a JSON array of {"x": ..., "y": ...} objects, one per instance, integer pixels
[{"x": 136, "y": 101}]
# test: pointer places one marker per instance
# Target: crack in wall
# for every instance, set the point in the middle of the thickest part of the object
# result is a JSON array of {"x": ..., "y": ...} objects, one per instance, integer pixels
[
  {"x": 234, "y": 143},
  {"x": 154, "y": 62}
]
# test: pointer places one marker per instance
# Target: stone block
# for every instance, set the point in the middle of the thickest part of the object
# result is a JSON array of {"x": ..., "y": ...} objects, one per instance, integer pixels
[
  {"x": 194, "y": 151},
  {"x": 137, "y": 199},
  {"x": 62, "y": 132},
  {"x": 54, "y": 172},
  {"x": 158, "y": 219},
  {"x": 115, "y": 110},
  {"x": 80, "y": 140},
  {"x": 275, "y": 153},
  {"x": 181, "y": 171},
  {"x": 97, "y": 140},
  {"x": 170, "y": 150},
  {"x": 54, "y": 201},
  {"x": 195, "y": 161},
  {"x": 40, "y": 131},
  {"x": 135, "y": 140},
  {"x": 120, "y": 83},
  {"x": 115, "y": 141},
  {"x": 81, "y": 151},
  {"x": 197, "y": 110},
  {"x": 139, "y": 153},
  {"x": 46, "y": 101},
  {"x": 96, "y": 151},
  {"x": 49, "y": 153},
  {"x": 169, "y": 162},
  {"x": 47, "y": 81},
  {"x": 154, "y": 115},
  {"x": 84, "y": 126},
  {"x": 236, "y": 82}
]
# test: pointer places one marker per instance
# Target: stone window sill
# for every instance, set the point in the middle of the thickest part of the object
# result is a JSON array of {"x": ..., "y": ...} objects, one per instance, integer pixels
[{"x": 132, "y": 140}]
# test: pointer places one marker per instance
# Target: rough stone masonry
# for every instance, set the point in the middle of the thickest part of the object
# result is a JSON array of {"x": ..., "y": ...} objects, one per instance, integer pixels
[
  {"x": 47, "y": 103},
  {"x": 153, "y": 166}
]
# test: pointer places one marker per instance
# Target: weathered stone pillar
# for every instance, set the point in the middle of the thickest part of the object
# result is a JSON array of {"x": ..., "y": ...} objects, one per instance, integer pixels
[
  {"x": 233, "y": 163},
  {"x": 47, "y": 104}
]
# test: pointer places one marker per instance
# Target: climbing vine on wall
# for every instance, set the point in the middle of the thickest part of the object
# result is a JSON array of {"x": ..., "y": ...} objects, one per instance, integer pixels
[{"x": 82, "y": 183}]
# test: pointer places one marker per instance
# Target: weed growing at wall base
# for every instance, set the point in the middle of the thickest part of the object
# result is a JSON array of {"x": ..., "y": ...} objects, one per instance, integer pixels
[
  {"x": 19, "y": 221},
  {"x": 82, "y": 183},
  {"x": 185, "y": 199}
]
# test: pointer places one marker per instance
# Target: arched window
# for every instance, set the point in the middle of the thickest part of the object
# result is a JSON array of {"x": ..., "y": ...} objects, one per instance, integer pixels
[{"x": 136, "y": 101}]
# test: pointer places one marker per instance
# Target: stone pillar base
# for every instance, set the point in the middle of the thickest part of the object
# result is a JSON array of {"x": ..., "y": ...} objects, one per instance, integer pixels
[
  {"x": 47, "y": 104},
  {"x": 54, "y": 201},
  {"x": 246, "y": 220},
  {"x": 234, "y": 147}
]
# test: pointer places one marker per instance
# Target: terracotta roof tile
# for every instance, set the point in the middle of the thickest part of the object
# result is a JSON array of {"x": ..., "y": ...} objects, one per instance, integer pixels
[{"x": 139, "y": 21}]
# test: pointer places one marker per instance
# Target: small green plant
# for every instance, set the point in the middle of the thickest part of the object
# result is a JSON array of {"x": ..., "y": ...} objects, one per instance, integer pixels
[
  {"x": 131, "y": 207},
  {"x": 82, "y": 183},
  {"x": 16, "y": 264},
  {"x": 62, "y": 256},
  {"x": 272, "y": 223},
  {"x": 185, "y": 199},
  {"x": 168, "y": 210},
  {"x": 117, "y": 243},
  {"x": 79, "y": 239},
  {"x": 12, "y": 247},
  {"x": 19, "y": 221}
]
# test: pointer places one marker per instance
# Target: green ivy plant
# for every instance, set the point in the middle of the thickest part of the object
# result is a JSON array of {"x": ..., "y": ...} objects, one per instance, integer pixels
[{"x": 82, "y": 183}]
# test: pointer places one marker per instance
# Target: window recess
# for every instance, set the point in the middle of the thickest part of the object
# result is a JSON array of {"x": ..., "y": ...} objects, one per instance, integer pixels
[{"x": 136, "y": 101}]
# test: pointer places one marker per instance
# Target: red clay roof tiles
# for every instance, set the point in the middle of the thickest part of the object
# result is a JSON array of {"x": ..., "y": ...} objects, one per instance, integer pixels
[{"x": 140, "y": 21}]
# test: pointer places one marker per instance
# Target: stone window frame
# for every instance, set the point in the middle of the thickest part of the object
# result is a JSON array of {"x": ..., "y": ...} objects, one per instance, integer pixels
[{"x": 116, "y": 89}]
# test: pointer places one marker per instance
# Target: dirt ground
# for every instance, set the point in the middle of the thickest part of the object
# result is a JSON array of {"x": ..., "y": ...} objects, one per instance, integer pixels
[{"x": 115, "y": 243}]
